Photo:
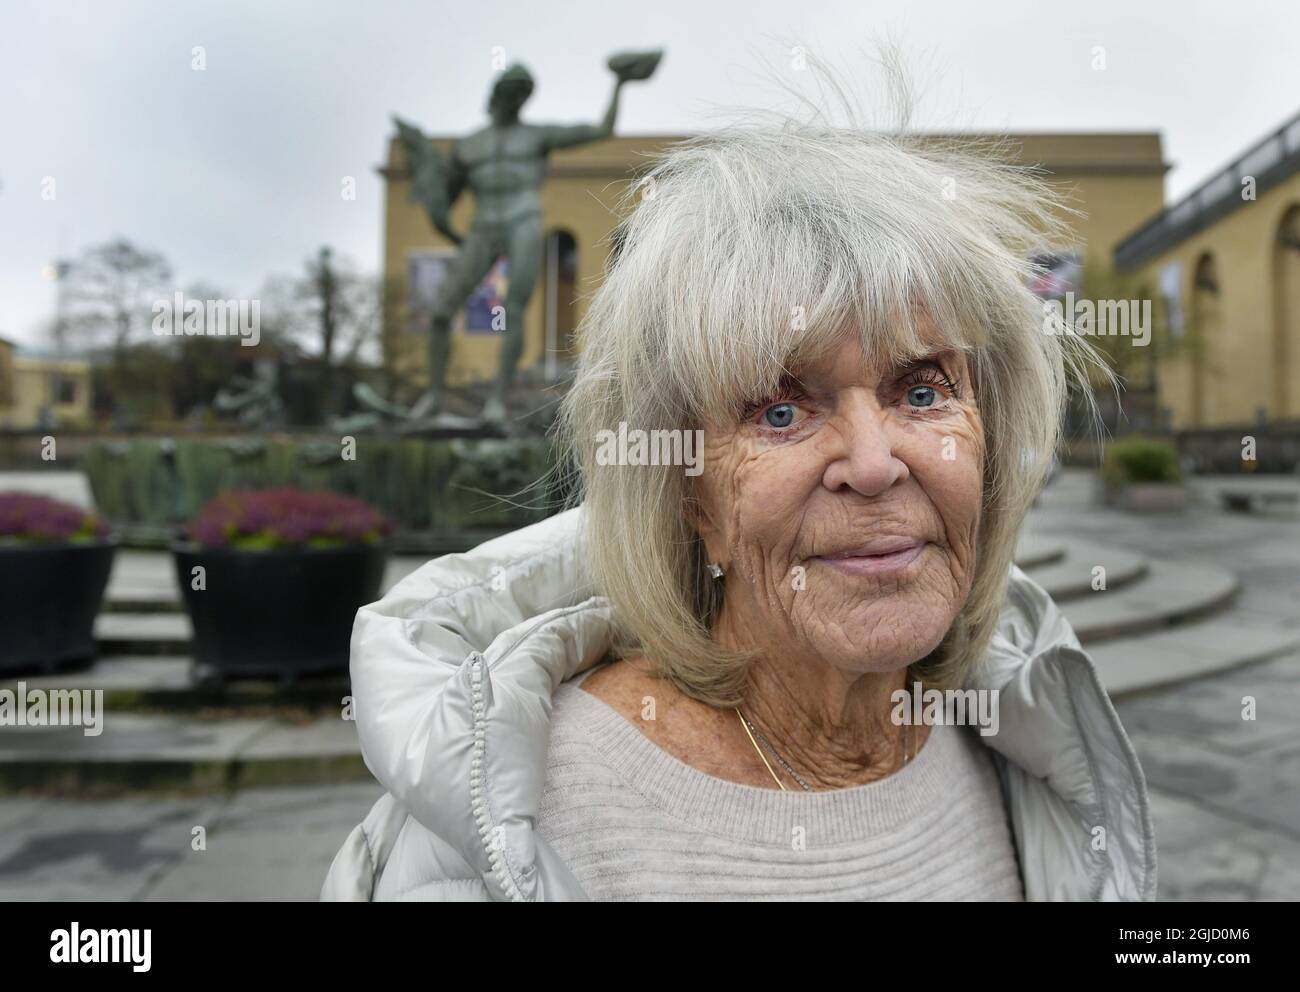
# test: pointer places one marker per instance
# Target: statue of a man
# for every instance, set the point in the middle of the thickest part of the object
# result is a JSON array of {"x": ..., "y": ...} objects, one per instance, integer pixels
[{"x": 504, "y": 164}]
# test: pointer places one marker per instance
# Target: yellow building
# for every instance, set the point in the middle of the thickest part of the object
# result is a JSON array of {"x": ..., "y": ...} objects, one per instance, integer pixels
[
  {"x": 1116, "y": 180},
  {"x": 42, "y": 392},
  {"x": 1228, "y": 256}
]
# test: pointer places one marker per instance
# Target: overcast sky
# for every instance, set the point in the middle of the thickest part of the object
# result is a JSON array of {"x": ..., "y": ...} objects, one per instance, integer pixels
[{"x": 234, "y": 172}]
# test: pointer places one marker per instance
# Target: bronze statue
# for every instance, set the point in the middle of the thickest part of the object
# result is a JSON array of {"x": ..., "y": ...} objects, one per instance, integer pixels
[
  {"x": 504, "y": 164},
  {"x": 255, "y": 401}
]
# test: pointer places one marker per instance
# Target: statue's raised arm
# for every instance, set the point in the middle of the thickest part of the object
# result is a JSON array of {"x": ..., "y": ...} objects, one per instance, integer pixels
[{"x": 627, "y": 67}]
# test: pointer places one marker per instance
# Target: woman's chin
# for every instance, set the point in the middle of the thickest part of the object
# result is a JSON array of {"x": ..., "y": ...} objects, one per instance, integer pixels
[{"x": 886, "y": 640}]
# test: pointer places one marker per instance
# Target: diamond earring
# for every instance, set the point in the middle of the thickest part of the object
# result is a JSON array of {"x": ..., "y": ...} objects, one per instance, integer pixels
[{"x": 715, "y": 569}]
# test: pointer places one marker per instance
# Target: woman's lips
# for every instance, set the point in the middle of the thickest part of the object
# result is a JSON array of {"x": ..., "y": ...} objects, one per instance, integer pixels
[{"x": 893, "y": 557}]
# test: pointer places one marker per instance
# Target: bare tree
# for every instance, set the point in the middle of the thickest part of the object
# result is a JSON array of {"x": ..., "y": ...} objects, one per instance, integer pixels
[
  {"x": 333, "y": 312},
  {"x": 110, "y": 291}
]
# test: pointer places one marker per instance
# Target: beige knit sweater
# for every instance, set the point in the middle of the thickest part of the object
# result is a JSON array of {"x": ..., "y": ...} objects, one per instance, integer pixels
[{"x": 635, "y": 823}]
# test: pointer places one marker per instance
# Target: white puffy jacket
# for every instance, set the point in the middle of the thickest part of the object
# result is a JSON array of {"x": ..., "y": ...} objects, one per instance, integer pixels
[{"x": 453, "y": 673}]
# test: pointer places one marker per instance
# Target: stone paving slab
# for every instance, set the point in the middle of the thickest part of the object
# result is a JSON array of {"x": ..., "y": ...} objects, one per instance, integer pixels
[
  {"x": 1225, "y": 791},
  {"x": 263, "y": 844},
  {"x": 1211, "y": 709},
  {"x": 1195, "y": 744},
  {"x": 1260, "y": 791},
  {"x": 269, "y": 845},
  {"x": 1206, "y": 857},
  {"x": 1181, "y": 653},
  {"x": 111, "y": 850}
]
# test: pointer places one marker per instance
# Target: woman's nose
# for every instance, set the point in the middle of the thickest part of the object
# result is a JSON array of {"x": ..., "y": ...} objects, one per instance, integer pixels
[{"x": 862, "y": 457}]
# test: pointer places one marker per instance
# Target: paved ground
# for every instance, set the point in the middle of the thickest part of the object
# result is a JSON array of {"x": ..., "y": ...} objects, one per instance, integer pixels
[
  {"x": 1225, "y": 790},
  {"x": 263, "y": 844}
]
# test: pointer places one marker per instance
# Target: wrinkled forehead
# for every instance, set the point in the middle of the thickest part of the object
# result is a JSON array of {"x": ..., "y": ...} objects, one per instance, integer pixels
[
  {"x": 854, "y": 348},
  {"x": 855, "y": 355},
  {"x": 735, "y": 289}
]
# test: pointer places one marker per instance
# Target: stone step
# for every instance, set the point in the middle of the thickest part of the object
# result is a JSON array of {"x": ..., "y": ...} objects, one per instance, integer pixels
[
  {"x": 1034, "y": 552},
  {"x": 145, "y": 581},
  {"x": 168, "y": 682},
  {"x": 150, "y": 752},
  {"x": 1231, "y": 638},
  {"x": 143, "y": 633},
  {"x": 1169, "y": 593},
  {"x": 1071, "y": 576}
]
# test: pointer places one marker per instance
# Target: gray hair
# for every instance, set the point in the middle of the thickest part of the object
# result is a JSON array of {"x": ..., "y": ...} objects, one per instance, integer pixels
[{"x": 753, "y": 249}]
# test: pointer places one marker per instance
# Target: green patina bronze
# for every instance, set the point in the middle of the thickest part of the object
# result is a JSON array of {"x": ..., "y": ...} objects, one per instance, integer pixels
[
  {"x": 504, "y": 165},
  {"x": 425, "y": 486}
]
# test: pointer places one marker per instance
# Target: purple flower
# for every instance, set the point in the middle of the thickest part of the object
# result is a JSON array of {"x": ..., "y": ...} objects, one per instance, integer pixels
[
  {"x": 29, "y": 517},
  {"x": 285, "y": 517}
]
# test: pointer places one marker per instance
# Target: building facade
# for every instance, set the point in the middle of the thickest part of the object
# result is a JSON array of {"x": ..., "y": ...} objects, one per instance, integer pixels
[
  {"x": 1112, "y": 180},
  {"x": 39, "y": 392},
  {"x": 1228, "y": 257}
]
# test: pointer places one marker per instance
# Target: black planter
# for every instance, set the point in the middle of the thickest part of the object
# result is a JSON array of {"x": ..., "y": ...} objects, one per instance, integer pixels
[
  {"x": 276, "y": 613},
  {"x": 49, "y": 597}
]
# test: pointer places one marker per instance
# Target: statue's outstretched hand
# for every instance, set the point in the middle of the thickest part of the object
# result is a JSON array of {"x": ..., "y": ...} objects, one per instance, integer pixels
[{"x": 630, "y": 66}]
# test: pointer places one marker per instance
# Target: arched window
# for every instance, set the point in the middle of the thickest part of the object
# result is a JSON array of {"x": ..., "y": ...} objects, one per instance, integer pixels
[
  {"x": 1205, "y": 330},
  {"x": 561, "y": 291},
  {"x": 1286, "y": 327}
]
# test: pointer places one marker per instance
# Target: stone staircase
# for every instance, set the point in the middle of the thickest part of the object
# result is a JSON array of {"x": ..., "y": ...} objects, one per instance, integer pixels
[{"x": 1154, "y": 623}]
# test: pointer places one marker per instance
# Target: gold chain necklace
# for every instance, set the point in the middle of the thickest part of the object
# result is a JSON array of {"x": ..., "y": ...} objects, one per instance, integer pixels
[{"x": 751, "y": 730}]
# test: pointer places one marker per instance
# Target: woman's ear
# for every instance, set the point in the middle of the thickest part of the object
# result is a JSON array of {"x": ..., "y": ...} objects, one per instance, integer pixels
[{"x": 697, "y": 515}]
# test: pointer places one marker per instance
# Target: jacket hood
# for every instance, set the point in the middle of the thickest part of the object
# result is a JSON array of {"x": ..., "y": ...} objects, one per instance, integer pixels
[{"x": 453, "y": 674}]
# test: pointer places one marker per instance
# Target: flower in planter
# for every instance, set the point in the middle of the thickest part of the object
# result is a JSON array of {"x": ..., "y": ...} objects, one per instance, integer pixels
[
  {"x": 267, "y": 519},
  {"x": 28, "y": 518}
]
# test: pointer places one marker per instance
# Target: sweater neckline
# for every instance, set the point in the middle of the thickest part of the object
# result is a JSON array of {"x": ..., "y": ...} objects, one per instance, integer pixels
[{"x": 921, "y": 788}]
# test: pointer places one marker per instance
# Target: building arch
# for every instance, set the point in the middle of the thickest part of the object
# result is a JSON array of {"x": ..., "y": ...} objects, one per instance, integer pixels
[
  {"x": 1286, "y": 315},
  {"x": 1206, "y": 328},
  {"x": 559, "y": 301}
]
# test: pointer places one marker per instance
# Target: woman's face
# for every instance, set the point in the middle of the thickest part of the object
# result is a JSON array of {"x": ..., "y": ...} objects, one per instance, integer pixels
[{"x": 844, "y": 511}]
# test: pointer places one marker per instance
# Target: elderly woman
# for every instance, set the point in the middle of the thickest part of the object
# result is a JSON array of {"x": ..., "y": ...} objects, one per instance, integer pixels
[{"x": 703, "y": 682}]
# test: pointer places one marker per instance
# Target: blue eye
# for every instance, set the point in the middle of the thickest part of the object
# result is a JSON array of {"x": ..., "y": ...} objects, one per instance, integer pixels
[
  {"x": 921, "y": 396},
  {"x": 779, "y": 415}
]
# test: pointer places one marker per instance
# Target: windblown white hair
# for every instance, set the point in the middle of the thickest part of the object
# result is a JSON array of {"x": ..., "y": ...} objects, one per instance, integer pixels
[{"x": 753, "y": 249}]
